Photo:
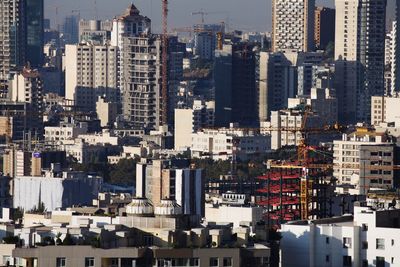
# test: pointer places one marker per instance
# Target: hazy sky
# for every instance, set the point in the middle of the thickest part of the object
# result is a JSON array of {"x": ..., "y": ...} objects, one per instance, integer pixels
[{"x": 243, "y": 14}]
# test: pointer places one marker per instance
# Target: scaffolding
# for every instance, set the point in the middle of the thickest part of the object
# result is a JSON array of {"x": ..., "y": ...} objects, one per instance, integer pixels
[{"x": 293, "y": 192}]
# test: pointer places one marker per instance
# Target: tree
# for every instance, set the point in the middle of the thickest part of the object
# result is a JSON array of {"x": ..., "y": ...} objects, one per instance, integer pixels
[
  {"x": 68, "y": 241},
  {"x": 11, "y": 240}
]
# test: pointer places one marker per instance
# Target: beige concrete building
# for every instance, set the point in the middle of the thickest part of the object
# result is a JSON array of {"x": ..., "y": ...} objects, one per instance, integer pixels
[
  {"x": 90, "y": 72},
  {"x": 107, "y": 112},
  {"x": 385, "y": 109},
  {"x": 189, "y": 120},
  {"x": 87, "y": 256},
  {"x": 27, "y": 86},
  {"x": 293, "y": 25},
  {"x": 363, "y": 160}
]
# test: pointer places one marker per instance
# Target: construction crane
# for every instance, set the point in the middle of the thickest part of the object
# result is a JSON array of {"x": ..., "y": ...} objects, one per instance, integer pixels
[
  {"x": 201, "y": 13},
  {"x": 164, "y": 90}
]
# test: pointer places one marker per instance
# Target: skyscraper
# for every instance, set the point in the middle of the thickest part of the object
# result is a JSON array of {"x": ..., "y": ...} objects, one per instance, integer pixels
[
  {"x": 34, "y": 32},
  {"x": 235, "y": 85},
  {"x": 130, "y": 24},
  {"x": 359, "y": 55},
  {"x": 70, "y": 29},
  {"x": 293, "y": 25},
  {"x": 324, "y": 32},
  {"x": 394, "y": 50},
  {"x": 12, "y": 39},
  {"x": 142, "y": 105}
]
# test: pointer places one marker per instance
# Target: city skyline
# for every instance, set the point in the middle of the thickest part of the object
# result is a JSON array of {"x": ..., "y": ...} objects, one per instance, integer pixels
[{"x": 258, "y": 16}]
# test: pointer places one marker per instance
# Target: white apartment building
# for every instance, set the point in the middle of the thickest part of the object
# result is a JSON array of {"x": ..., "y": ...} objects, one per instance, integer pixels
[
  {"x": 293, "y": 25},
  {"x": 104, "y": 138},
  {"x": 224, "y": 143},
  {"x": 129, "y": 24},
  {"x": 385, "y": 109},
  {"x": 369, "y": 238},
  {"x": 190, "y": 120},
  {"x": 66, "y": 131},
  {"x": 82, "y": 151},
  {"x": 363, "y": 160},
  {"x": 90, "y": 72}
]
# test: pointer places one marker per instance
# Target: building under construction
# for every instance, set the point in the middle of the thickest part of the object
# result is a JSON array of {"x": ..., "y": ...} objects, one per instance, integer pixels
[{"x": 293, "y": 193}]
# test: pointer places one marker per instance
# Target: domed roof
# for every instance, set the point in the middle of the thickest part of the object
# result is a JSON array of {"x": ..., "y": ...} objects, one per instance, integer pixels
[
  {"x": 140, "y": 206},
  {"x": 168, "y": 207}
]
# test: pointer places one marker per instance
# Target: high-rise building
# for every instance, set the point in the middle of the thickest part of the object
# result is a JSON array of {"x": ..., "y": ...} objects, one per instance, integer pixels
[
  {"x": 277, "y": 76},
  {"x": 283, "y": 76},
  {"x": 205, "y": 39},
  {"x": 394, "y": 51},
  {"x": 237, "y": 102},
  {"x": 359, "y": 55},
  {"x": 293, "y": 25},
  {"x": 35, "y": 32},
  {"x": 222, "y": 74},
  {"x": 130, "y": 24},
  {"x": 70, "y": 29},
  {"x": 27, "y": 87},
  {"x": 142, "y": 105},
  {"x": 12, "y": 40},
  {"x": 324, "y": 32},
  {"x": 95, "y": 30},
  {"x": 91, "y": 71}
]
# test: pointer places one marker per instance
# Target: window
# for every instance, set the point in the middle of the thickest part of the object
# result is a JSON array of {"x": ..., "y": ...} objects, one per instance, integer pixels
[
  {"x": 346, "y": 261},
  {"x": 89, "y": 262},
  {"x": 380, "y": 262},
  {"x": 392, "y": 242},
  {"x": 213, "y": 262},
  {"x": 327, "y": 258},
  {"x": 346, "y": 242},
  {"x": 194, "y": 262},
  {"x": 327, "y": 240},
  {"x": 227, "y": 262},
  {"x": 380, "y": 243},
  {"x": 114, "y": 262},
  {"x": 60, "y": 262},
  {"x": 364, "y": 227}
]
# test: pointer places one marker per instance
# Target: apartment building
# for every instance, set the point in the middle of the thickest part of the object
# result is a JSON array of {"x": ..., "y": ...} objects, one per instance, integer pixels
[
  {"x": 142, "y": 102},
  {"x": 91, "y": 72},
  {"x": 293, "y": 25},
  {"x": 228, "y": 143},
  {"x": 384, "y": 109},
  {"x": 369, "y": 238},
  {"x": 190, "y": 120},
  {"x": 364, "y": 160},
  {"x": 27, "y": 86},
  {"x": 359, "y": 55}
]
